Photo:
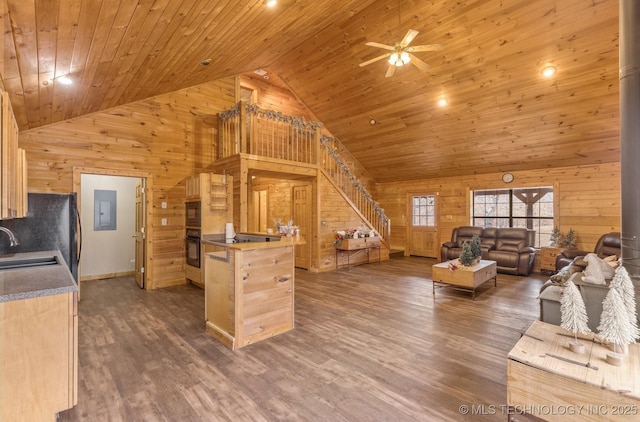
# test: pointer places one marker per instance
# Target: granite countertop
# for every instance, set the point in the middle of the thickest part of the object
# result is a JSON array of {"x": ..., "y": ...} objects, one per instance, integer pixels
[
  {"x": 30, "y": 282},
  {"x": 218, "y": 240}
]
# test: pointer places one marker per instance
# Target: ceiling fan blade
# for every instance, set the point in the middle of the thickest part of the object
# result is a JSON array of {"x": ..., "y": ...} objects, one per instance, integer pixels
[
  {"x": 419, "y": 63},
  {"x": 411, "y": 34},
  {"x": 390, "y": 70},
  {"x": 375, "y": 59},
  {"x": 427, "y": 47},
  {"x": 377, "y": 44}
]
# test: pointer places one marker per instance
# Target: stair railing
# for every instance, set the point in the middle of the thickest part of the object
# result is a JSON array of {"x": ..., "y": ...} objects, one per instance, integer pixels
[{"x": 340, "y": 172}]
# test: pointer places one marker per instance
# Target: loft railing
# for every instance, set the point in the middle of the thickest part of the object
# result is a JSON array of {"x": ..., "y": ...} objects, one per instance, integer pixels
[{"x": 246, "y": 128}]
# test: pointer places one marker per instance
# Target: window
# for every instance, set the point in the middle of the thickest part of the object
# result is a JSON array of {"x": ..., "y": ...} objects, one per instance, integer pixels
[
  {"x": 424, "y": 211},
  {"x": 530, "y": 208}
]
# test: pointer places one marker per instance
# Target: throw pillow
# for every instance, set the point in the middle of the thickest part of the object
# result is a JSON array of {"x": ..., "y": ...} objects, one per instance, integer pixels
[
  {"x": 597, "y": 270},
  {"x": 563, "y": 275}
]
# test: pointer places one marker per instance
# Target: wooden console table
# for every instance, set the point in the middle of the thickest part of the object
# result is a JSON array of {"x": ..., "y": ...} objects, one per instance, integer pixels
[
  {"x": 464, "y": 278},
  {"x": 355, "y": 245},
  {"x": 547, "y": 380}
]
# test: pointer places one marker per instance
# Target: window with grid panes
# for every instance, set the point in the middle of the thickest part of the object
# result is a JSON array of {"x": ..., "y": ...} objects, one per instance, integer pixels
[{"x": 530, "y": 208}]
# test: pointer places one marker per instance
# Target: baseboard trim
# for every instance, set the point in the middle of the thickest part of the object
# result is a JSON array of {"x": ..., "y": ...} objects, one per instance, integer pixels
[{"x": 103, "y": 276}]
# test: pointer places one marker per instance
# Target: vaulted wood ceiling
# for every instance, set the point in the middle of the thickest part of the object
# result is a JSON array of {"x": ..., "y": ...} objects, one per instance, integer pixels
[{"x": 502, "y": 115}]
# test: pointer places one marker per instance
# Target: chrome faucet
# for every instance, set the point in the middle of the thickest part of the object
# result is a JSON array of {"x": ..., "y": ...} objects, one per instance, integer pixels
[{"x": 13, "y": 241}]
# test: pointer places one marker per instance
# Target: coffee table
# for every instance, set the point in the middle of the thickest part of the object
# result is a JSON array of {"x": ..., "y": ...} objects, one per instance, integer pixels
[{"x": 463, "y": 278}]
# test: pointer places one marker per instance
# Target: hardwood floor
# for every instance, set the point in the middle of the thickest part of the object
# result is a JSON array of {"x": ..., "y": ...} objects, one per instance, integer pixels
[{"x": 370, "y": 344}]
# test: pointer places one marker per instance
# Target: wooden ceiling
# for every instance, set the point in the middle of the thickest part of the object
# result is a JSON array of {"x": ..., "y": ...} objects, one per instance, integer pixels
[{"x": 502, "y": 115}]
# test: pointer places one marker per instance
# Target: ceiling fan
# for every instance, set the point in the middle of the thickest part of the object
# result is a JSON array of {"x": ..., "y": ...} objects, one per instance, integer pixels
[{"x": 400, "y": 53}]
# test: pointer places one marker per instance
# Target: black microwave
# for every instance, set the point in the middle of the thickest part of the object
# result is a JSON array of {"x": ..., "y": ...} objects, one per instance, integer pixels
[{"x": 192, "y": 213}]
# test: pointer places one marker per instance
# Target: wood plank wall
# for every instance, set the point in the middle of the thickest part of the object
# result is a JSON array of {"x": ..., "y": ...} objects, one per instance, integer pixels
[
  {"x": 336, "y": 214},
  {"x": 278, "y": 197},
  {"x": 275, "y": 96},
  {"x": 170, "y": 136},
  {"x": 587, "y": 200}
]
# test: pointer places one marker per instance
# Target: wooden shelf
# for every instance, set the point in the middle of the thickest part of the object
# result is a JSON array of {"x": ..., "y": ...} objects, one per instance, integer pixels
[{"x": 219, "y": 192}]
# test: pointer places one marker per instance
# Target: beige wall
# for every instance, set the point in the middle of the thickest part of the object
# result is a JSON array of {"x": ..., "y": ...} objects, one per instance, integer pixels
[{"x": 107, "y": 252}]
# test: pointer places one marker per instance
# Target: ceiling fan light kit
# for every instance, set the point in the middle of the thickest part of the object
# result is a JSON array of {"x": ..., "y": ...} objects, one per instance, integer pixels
[
  {"x": 401, "y": 54},
  {"x": 399, "y": 59}
]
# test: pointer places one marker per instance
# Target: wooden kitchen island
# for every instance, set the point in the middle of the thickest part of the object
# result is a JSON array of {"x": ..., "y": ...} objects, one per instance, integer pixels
[{"x": 249, "y": 289}]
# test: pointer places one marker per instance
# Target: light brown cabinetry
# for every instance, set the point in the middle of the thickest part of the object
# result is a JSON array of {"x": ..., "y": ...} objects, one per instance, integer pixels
[
  {"x": 13, "y": 165},
  {"x": 39, "y": 350},
  {"x": 548, "y": 258},
  {"x": 249, "y": 291},
  {"x": 214, "y": 192}
]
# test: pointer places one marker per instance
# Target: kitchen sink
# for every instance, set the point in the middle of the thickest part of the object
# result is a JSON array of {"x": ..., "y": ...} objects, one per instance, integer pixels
[{"x": 14, "y": 263}]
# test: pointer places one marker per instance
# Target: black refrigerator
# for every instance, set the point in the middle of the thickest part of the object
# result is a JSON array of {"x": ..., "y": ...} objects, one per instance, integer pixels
[{"x": 52, "y": 222}]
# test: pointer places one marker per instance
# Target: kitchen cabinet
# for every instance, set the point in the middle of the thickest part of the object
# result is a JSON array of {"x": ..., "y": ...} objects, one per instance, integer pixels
[
  {"x": 214, "y": 194},
  {"x": 38, "y": 336},
  {"x": 38, "y": 357},
  {"x": 249, "y": 290},
  {"x": 214, "y": 191},
  {"x": 13, "y": 165}
]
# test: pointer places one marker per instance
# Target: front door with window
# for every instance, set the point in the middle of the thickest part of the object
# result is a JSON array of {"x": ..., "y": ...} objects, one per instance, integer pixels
[{"x": 423, "y": 232}]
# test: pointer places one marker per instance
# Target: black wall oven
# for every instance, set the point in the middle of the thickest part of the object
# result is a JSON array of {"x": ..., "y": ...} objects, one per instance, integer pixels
[
  {"x": 193, "y": 247},
  {"x": 192, "y": 213}
]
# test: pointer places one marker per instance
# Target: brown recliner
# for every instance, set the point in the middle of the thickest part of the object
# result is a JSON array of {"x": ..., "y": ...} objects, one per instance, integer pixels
[
  {"x": 607, "y": 245},
  {"x": 514, "y": 251},
  {"x": 452, "y": 249}
]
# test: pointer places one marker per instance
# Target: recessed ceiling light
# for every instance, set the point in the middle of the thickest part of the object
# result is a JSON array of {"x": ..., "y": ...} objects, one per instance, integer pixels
[
  {"x": 64, "y": 80},
  {"x": 442, "y": 101},
  {"x": 372, "y": 121},
  {"x": 549, "y": 70},
  {"x": 270, "y": 3}
]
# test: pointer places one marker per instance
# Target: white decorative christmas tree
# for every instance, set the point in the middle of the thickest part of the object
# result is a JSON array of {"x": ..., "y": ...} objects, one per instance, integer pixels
[
  {"x": 573, "y": 315},
  {"x": 623, "y": 284},
  {"x": 615, "y": 326}
]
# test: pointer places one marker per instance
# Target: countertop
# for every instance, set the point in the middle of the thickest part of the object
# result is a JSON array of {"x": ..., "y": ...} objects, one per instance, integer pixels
[
  {"x": 25, "y": 283},
  {"x": 218, "y": 240}
]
